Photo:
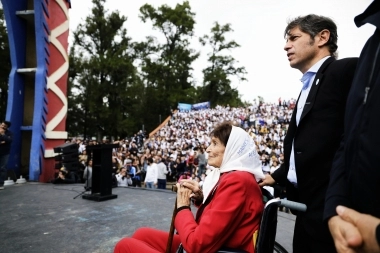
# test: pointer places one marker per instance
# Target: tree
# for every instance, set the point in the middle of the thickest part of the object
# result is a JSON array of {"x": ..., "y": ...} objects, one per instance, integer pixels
[
  {"x": 166, "y": 67},
  {"x": 102, "y": 76},
  {"x": 217, "y": 77},
  {"x": 5, "y": 66}
]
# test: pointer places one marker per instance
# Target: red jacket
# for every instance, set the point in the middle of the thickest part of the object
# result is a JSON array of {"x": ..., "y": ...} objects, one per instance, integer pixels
[{"x": 229, "y": 220}]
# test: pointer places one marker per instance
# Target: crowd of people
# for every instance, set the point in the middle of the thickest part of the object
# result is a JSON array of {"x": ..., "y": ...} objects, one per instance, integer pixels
[{"x": 178, "y": 150}]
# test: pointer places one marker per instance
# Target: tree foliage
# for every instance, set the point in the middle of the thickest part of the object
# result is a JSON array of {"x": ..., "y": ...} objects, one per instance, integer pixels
[
  {"x": 5, "y": 66},
  {"x": 101, "y": 69},
  {"x": 143, "y": 81},
  {"x": 166, "y": 66},
  {"x": 217, "y": 76}
]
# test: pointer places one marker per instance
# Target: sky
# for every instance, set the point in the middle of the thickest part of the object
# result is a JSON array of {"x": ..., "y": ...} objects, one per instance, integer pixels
[{"x": 258, "y": 28}]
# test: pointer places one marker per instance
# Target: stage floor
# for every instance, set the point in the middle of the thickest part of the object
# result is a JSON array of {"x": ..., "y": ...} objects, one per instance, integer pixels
[{"x": 39, "y": 218}]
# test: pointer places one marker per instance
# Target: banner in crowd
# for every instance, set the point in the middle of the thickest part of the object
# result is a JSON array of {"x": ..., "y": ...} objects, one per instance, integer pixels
[
  {"x": 184, "y": 107},
  {"x": 201, "y": 106},
  {"x": 188, "y": 107}
]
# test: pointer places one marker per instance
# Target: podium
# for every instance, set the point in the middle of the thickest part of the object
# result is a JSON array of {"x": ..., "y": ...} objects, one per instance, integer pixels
[{"x": 101, "y": 156}]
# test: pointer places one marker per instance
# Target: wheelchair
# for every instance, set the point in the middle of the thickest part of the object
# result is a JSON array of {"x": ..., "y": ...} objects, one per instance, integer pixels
[{"x": 265, "y": 242}]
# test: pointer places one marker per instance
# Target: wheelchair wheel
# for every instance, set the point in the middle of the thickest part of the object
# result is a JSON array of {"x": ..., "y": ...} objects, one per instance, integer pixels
[{"x": 278, "y": 248}]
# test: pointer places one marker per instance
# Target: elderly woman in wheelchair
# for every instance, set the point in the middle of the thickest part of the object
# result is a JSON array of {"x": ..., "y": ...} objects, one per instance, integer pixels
[{"x": 229, "y": 208}]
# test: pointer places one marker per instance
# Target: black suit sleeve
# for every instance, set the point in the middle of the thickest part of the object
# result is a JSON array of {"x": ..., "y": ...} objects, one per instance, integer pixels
[
  {"x": 281, "y": 175},
  {"x": 337, "y": 192}
]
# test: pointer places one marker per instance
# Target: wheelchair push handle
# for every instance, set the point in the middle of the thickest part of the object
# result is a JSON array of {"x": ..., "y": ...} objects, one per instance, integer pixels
[{"x": 293, "y": 205}]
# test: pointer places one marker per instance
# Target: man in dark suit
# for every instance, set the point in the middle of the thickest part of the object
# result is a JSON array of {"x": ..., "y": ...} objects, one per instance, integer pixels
[
  {"x": 315, "y": 127},
  {"x": 352, "y": 205}
]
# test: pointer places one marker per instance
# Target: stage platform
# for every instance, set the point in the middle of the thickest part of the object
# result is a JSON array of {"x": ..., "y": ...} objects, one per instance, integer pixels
[{"x": 39, "y": 218}]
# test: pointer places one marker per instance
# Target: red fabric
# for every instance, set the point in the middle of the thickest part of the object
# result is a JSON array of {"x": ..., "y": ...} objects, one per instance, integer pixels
[
  {"x": 190, "y": 160},
  {"x": 147, "y": 240},
  {"x": 229, "y": 220}
]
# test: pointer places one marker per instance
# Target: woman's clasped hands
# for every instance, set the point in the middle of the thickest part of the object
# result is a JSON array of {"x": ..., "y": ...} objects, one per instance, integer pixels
[{"x": 186, "y": 189}]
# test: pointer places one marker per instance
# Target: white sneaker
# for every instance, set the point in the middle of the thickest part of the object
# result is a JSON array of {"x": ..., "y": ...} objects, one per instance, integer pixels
[{"x": 1, "y": 187}]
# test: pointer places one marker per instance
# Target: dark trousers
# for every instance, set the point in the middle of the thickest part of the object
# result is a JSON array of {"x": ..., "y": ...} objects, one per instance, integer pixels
[
  {"x": 319, "y": 240},
  {"x": 201, "y": 169},
  {"x": 3, "y": 168},
  {"x": 161, "y": 183},
  {"x": 136, "y": 181}
]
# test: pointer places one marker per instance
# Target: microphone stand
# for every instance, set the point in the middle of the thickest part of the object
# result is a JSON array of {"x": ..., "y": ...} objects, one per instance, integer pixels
[
  {"x": 86, "y": 188},
  {"x": 80, "y": 194}
]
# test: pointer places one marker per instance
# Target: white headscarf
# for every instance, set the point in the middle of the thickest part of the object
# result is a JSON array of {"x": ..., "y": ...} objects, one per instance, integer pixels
[{"x": 240, "y": 154}]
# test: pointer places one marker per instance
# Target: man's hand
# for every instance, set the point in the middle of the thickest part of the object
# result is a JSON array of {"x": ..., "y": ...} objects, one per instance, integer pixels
[
  {"x": 268, "y": 180},
  {"x": 342, "y": 232},
  {"x": 359, "y": 230}
]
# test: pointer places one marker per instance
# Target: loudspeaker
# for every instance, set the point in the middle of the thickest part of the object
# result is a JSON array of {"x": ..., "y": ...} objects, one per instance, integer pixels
[
  {"x": 73, "y": 166},
  {"x": 65, "y": 158},
  {"x": 67, "y": 148}
]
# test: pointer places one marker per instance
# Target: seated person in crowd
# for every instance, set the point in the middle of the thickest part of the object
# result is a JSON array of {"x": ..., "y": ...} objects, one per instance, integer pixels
[
  {"x": 137, "y": 178},
  {"x": 123, "y": 178},
  {"x": 64, "y": 177},
  {"x": 230, "y": 206},
  {"x": 131, "y": 170}
]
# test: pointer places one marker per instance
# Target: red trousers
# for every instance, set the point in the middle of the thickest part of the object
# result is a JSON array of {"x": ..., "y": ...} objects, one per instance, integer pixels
[{"x": 147, "y": 240}]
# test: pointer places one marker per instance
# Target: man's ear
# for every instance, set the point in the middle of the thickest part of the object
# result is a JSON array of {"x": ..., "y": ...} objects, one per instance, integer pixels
[{"x": 323, "y": 37}]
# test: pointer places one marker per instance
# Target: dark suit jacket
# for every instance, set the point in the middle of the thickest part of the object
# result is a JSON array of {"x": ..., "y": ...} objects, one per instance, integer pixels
[
  {"x": 355, "y": 175},
  {"x": 316, "y": 139}
]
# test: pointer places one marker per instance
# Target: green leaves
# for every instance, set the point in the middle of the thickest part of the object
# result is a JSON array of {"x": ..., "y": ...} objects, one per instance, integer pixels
[
  {"x": 144, "y": 80},
  {"x": 166, "y": 66},
  {"x": 5, "y": 66},
  {"x": 101, "y": 66},
  {"x": 217, "y": 76}
]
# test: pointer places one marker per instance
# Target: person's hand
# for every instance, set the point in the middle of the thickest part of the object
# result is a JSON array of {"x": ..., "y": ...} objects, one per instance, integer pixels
[
  {"x": 355, "y": 230},
  {"x": 61, "y": 176},
  {"x": 197, "y": 193},
  {"x": 183, "y": 196},
  {"x": 268, "y": 180},
  {"x": 343, "y": 231}
]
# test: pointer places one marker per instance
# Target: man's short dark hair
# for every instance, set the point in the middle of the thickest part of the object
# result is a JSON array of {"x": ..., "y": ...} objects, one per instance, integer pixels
[{"x": 313, "y": 24}]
